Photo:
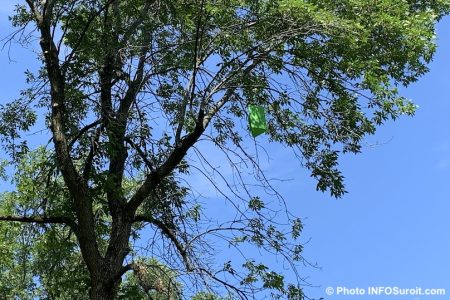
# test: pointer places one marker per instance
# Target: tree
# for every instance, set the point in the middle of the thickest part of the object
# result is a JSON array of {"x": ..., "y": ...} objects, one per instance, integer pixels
[{"x": 132, "y": 91}]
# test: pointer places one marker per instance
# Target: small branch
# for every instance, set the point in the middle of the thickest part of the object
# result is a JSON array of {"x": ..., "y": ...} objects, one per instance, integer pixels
[
  {"x": 83, "y": 131},
  {"x": 38, "y": 220},
  {"x": 241, "y": 293},
  {"x": 140, "y": 152},
  {"x": 171, "y": 235},
  {"x": 192, "y": 84},
  {"x": 134, "y": 26},
  {"x": 90, "y": 159},
  {"x": 34, "y": 10}
]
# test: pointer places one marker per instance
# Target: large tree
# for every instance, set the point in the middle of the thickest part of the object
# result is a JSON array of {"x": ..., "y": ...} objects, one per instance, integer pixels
[{"x": 134, "y": 92}]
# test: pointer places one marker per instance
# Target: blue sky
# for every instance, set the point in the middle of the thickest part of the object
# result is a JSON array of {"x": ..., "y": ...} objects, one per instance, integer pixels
[{"x": 392, "y": 229}]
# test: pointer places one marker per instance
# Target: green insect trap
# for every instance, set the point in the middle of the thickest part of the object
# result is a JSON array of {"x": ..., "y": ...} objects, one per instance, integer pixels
[{"x": 257, "y": 120}]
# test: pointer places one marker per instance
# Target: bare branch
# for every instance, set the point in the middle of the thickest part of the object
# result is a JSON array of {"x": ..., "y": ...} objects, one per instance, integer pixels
[
  {"x": 83, "y": 131},
  {"x": 171, "y": 235},
  {"x": 190, "y": 92},
  {"x": 140, "y": 152},
  {"x": 90, "y": 158},
  {"x": 177, "y": 154},
  {"x": 38, "y": 220}
]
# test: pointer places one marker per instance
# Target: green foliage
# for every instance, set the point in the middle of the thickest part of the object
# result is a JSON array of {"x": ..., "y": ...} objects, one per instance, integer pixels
[
  {"x": 16, "y": 116},
  {"x": 45, "y": 261},
  {"x": 342, "y": 52},
  {"x": 40, "y": 261}
]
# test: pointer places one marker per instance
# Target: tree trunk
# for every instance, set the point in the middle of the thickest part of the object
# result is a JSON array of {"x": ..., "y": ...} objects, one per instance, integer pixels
[
  {"x": 104, "y": 289},
  {"x": 106, "y": 276}
]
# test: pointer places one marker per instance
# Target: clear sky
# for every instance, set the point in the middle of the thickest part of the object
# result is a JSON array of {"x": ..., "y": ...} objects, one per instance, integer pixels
[{"x": 393, "y": 228}]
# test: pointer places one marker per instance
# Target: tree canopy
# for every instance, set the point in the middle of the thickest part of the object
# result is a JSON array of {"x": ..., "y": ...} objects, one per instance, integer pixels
[{"x": 135, "y": 93}]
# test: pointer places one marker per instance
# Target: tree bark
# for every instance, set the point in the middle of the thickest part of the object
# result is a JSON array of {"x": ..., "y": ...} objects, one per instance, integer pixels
[
  {"x": 102, "y": 289},
  {"x": 106, "y": 279}
]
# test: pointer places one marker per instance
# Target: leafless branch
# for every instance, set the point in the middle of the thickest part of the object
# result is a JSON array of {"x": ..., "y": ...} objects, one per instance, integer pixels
[{"x": 38, "y": 220}]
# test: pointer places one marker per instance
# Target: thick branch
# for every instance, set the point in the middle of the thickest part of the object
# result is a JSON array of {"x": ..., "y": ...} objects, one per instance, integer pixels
[
  {"x": 76, "y": 185},
  {"x": 177, "y": 154},
  {"x": 181, "y": 147},
  {"x": 47, "y": 11},
  {"x": 117, "y": 130}
]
